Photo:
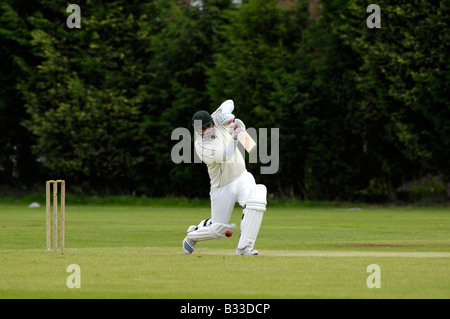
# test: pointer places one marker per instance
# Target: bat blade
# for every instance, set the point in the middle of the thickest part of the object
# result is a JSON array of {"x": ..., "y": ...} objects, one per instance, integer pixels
[{"x": 246, "y": 140}]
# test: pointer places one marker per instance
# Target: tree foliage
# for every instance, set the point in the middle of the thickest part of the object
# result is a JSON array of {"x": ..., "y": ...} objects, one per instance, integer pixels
[{"x": 360, "y": 111}]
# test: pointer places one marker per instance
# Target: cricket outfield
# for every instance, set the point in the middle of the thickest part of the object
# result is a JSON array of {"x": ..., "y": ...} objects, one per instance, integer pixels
[{"x": 305, "y": 252}]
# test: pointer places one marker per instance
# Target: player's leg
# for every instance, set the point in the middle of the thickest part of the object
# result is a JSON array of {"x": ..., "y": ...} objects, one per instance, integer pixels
[
  {"x": 223, "y": 200},
  {"x": 251, "y": 220},
  {"x": 222, "y": 204},
  {"x": 206, "y": 230},
  {"x": 245, "y": 183}
]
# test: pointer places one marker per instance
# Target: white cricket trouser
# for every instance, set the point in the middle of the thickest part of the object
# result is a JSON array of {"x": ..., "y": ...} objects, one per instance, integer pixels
[{"x": 224, "y": 198}]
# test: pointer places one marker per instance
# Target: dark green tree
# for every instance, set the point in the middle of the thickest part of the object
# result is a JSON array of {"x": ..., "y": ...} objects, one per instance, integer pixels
[
  {"x": 83, "y": 97},
  {"x": 403, "y": 115},
  {"x": 176, "y": 89},
  {"x": 18, "y": 166}
]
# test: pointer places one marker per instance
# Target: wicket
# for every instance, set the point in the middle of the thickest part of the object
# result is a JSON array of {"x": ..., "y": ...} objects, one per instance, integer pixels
[{"x": 55, "y": 213}]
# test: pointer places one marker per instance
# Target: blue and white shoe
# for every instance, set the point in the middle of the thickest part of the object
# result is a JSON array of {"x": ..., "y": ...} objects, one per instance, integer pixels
[
  {"x": 189, "y": 244},
  {"x": 248, "y": 251}
]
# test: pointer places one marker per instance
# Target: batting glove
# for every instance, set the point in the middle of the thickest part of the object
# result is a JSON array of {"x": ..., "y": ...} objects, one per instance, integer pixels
[{"x": 225, "y": 118}]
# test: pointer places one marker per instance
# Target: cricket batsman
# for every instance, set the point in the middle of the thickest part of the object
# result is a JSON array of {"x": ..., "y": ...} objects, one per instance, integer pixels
[{"x": 216, "y": 138}]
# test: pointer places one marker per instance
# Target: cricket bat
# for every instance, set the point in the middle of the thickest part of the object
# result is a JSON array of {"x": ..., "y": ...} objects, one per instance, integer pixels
[{"x": 245, "y": 139}]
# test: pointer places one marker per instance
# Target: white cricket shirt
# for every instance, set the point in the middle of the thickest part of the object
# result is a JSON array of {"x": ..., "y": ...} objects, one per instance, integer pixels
[{"x": 211, "y": 150}]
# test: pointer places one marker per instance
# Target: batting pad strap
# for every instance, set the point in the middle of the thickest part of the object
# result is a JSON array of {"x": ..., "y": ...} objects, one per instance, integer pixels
[{"x": 257, "y": 199}]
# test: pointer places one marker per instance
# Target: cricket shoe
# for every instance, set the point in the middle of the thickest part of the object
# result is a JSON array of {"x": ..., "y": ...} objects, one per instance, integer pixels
[
  {"x": 248, "y": 251},
  {"x": 189, "y": 244}
]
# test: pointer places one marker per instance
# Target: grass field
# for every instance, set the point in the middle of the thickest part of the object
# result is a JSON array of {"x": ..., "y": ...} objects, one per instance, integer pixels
[{"x": 305, "y": 252}]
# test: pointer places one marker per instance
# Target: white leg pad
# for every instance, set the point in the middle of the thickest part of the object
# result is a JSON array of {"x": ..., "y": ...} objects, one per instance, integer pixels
[
  {"x": 253, "y": 215},
  {"x": 207, "y": 230}
]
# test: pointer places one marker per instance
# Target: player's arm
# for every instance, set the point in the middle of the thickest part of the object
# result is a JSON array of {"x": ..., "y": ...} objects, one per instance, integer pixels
[
  {"x": 223, "y": 115},
  {"x": 229, "y": 150},
  {"x": 210, "y": 152}
]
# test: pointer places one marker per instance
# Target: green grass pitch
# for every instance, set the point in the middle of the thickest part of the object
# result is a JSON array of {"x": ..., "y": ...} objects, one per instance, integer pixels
[{"x": 305, "y": 252}]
